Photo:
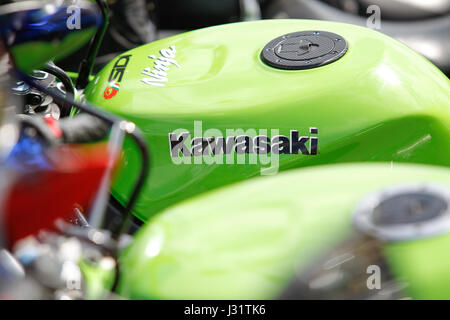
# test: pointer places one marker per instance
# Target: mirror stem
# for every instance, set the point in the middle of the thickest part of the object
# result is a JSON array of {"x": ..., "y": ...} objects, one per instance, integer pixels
[{"x": 87, "y": 64}]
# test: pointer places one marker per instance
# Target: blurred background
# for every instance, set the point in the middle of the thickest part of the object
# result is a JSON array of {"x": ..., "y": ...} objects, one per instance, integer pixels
[{"x": 422, "y": 25}]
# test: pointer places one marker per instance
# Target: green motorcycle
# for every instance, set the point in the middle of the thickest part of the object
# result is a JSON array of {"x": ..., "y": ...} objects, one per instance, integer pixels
[
  {"x": 217, "y": 109},
  {"x": 230, "y": 103}
]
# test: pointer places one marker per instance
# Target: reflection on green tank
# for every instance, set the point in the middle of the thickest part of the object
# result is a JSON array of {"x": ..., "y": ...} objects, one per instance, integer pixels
[{"x": 247, "y": 241}]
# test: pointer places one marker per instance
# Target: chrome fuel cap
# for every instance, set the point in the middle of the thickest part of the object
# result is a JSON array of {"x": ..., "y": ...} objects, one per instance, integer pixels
[{"x": 405, "y": 212}]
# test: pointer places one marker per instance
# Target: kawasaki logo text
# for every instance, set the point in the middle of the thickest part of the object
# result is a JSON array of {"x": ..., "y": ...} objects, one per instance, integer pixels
[{"x": 239, "y": 147}]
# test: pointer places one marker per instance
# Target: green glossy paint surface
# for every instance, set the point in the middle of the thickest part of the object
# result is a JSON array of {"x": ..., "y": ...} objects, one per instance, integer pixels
[
  {"x": 424, "y": 264},
  {"x": 380, "y": 102},
  {"x": 246, "y": 241},
  {"x": 99, "y": 279}
]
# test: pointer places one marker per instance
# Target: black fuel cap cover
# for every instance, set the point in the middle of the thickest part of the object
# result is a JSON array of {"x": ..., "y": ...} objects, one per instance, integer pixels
[{"x": 304, "y": 50}]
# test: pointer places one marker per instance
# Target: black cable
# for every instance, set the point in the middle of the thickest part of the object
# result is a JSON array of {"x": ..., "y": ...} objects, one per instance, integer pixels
[
  {"x": 87, "y": 64},
  {"x": 83, "y": 128},
  {"x": 53, "y": 69},
  {"x": 145, "y": 167}
]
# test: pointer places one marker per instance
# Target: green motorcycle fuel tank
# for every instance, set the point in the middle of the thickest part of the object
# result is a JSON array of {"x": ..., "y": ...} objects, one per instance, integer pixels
[
  {"x": 248, "y": 241},
  {"x": 223, "y": 104}
]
